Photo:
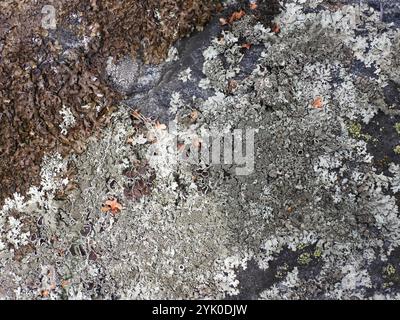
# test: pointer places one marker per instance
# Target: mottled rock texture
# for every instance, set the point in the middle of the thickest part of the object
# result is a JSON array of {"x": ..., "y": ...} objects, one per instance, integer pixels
[{"x": 317, "y": 218}]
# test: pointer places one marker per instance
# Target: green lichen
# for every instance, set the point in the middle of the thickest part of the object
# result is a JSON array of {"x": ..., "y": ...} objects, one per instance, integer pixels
[
  {"x": 304, "y": 258},
  {"x": 387, "y": 285},
  {"x": 355, "y": 131},
  {"x": 301, "y": 246},
  {"x": 397, "y": 127},
  {"x": 390, "y": 270},
  {"x": 397, "y": 149},
  {"x": 318, "y": 253}
]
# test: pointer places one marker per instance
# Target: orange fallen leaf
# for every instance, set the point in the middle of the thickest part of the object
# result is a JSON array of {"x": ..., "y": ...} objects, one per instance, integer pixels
[
  {"x": 136, "y": 114},
  {"x": 317, "y": 103},
  {"x": 112, "y": 206},
  {"x": 45, "y": 293},
  {"x": 194, "y": 115},
  {"x": 276, "y": 28},
  {"x": 253, "y": 5},
  {"x": 237, "y": 16},
  {"x": 246, "y": 46}
]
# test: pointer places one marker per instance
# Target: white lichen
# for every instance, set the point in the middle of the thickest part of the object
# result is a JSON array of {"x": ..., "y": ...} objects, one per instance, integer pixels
[{"x": 68, "y": 120}]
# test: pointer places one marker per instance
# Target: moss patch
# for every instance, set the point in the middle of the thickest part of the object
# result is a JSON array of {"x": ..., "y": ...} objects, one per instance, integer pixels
[{"x": 53, "y": 95}]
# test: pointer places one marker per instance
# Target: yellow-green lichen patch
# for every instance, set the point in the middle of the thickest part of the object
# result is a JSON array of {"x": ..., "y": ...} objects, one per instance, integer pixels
[
  {"x": 390, "y": 275},
  {"x": 390, "y": 270},
  {"x": 301, "y": 246},
  {"x": 304, "y": 259},
  {"x": 397, "y": 127},
  {"x": 355, "y": 131},
  {"x": 317, "y": 253}
]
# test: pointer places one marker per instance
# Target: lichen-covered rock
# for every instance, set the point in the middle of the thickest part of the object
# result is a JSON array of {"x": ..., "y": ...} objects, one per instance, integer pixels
[
  {"x": 53, "y": 89},
  {"x": 316, "y": 217}
]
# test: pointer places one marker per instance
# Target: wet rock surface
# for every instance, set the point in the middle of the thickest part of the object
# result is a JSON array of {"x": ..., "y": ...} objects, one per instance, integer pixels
[{"x": 315, "y": 218}]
